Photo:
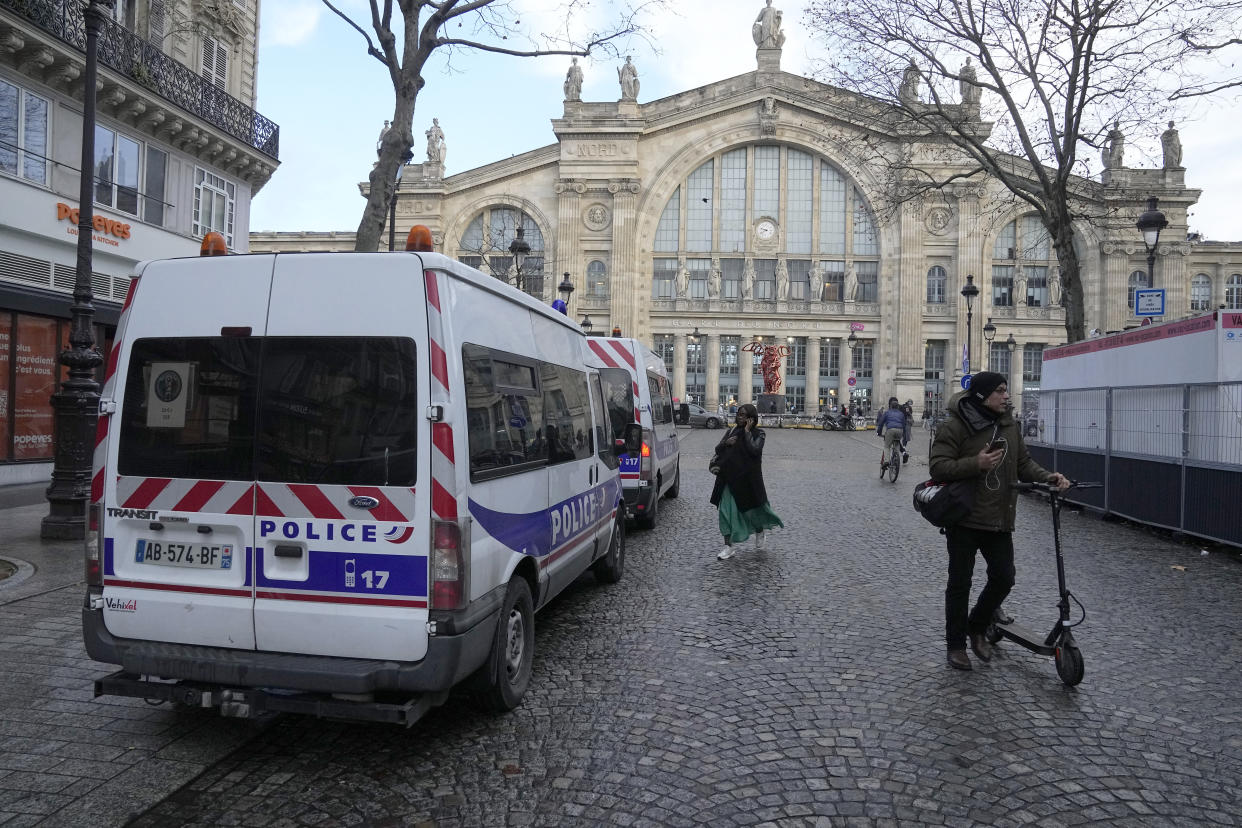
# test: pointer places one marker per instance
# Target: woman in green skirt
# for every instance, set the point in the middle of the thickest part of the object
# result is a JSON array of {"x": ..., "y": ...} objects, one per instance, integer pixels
[{"x": 739, "y": 495}]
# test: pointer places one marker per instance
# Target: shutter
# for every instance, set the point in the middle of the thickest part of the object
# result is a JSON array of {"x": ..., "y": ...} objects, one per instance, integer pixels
[
  {"x": 155, "y": 22},
  {"x": 209, "y": 57},
  {"x": 215, "y": 62},
  {"x": 222, "y": 66}
]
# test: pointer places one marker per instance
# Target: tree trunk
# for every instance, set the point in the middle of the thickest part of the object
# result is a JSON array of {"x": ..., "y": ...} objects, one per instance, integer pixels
[
  {"x": 1072, "y": 296},
  {"x": 398, "y": 141}
]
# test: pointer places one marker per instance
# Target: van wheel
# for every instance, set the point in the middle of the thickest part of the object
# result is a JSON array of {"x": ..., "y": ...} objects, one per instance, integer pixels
[
  {"x": 513, "y": 650},
  {"x": 675, "y": 489},
  {"x": 648, "y": 521},
  {"x": 608, "y": 569}
]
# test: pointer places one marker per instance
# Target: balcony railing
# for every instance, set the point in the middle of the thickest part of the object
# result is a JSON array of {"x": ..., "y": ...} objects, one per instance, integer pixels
[{"x": 123, "y": 51}]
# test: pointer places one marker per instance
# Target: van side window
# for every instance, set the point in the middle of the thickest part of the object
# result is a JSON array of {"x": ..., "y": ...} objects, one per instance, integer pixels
[
  {"x": 189, "y": 408},
  {"x": 618, "y": 398},
  {"x": 338, "y": 410},
  {"x": 566, "y": 413},
  {"x": 504, "y": 413},
  {"x": 604, "y": 443},
  {"x": 661, "y": 401}
]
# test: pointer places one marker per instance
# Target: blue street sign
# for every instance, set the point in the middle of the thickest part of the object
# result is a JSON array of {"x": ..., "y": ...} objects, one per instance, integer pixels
[
  {"x": 965, "y": 381},
  {"x": 1149, "y": 302}
]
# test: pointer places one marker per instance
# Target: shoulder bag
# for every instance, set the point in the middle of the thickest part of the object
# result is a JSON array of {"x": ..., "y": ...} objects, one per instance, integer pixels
[{"x": 944, "y": 504}]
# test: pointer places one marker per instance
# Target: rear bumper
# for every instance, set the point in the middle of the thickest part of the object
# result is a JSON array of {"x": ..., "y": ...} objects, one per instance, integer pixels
[
  {"x": 635, "y": 497},
  {"x": 450, "y": 658}
]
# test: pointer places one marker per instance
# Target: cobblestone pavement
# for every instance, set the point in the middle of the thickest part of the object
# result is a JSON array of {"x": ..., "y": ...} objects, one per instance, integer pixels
[{"x": 805, "y": 685}]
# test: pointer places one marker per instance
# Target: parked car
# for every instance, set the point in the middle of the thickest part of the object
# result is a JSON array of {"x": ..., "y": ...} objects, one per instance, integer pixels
[{"x": 702, "y": 418}]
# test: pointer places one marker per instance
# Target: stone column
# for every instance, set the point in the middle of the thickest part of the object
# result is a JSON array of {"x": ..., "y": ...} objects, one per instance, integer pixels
[
  {"x": 1171, "y": 275},
  {"x": 568, "y": 255},
  {"x": 745, "y": 373},
  {"x": 1015, "y": 380},
  {"x": 812, "y": 375},
  {"x": 629, "y": 300},
  {"x": 1112, "y": 310},
  {"x": 847, "y": 362},
  {"x": 711, "y": 342},
  {"x": 679, "y": 366},
  {"x": 903, "y": 342}
]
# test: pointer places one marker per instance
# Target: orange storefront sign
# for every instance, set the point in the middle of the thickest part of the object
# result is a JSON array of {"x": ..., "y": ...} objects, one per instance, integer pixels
[{"x": 102, "y": 224}]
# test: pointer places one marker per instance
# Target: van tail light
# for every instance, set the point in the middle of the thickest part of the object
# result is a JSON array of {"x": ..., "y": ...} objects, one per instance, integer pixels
[
  {"x": 94, "y": 558},
  {"x": 449, "y": 567},
  {"x": 645, "y": 467}
]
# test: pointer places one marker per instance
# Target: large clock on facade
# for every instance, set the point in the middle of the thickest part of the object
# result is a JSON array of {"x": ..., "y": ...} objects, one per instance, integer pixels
[{"x": 765, "y": 230}]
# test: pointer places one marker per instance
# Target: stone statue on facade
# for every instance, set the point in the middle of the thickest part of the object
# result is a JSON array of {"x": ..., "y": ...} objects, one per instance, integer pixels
[
  {"x": 909, "y": 91},
  {"x": 1054, "y": 288},
  {"x": 851, "y": 284},
  {"x": 573, "y": 82},
  {"x": 436, "y": 147},
  {"x": 968, "y": 81},
  {"x": 1171, "y": 142},
  {"x": 782, "y": 280},
  {"x": 1113, "y": 153},
  {"x": 713, "y": 280},
  {"x": 1019, "y": 287},
  {"x": 817, "y": 284},
  {"x": 748, "y": 278},
  {"x": 628, "y": 76},
  {"x": 767, "y": 29},
  {"x": 379, "y": 142},
  {"x": 683, "y": 279}
]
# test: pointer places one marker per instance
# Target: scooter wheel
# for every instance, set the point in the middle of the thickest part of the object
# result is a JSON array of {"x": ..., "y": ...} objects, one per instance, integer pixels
[
  {"x": 1069, "y": 665},
  {"x": 993, "y": 634}
]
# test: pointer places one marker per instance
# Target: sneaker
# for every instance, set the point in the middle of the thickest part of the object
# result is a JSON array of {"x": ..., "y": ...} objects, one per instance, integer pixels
[
  {"x": 726, "y": 553},
  {"x": 760, "y": 542},
  {"x": 905, "y": 458}
]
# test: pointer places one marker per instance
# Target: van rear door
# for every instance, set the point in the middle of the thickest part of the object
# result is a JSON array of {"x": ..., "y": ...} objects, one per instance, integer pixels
[
  {"x": 178, "y": 526},
  {"x": 343, "y": 494}
]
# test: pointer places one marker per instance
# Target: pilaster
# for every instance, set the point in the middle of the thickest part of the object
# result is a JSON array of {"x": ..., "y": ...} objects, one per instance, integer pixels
[
  {"x": 745, "y": 373},
  {"x": 679, "y": 364},
  {"x": 712, "y": 343},
  {"x": 630, "y": 302},
  {"x": 568, "y": 238},
  {"x": 906, "y": 337},
  {"x": 812, "y": 374},
  {"x": 847, "y": 365}
]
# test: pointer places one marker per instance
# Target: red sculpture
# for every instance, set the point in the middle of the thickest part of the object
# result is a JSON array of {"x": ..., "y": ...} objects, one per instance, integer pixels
[{"x": 770, "y": 363}]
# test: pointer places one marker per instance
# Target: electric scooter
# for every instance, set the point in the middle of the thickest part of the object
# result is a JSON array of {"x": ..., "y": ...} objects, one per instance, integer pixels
[{"x": 1059, "y": 643}]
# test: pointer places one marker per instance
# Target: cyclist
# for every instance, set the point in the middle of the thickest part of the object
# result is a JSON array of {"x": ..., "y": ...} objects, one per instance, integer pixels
[{"x": 894, "y": 425}]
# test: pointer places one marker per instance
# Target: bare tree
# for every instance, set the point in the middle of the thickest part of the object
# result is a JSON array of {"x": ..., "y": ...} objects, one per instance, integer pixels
[
  {"x": 1047, "y": 80},
  {"x": 422, "y": 28}
]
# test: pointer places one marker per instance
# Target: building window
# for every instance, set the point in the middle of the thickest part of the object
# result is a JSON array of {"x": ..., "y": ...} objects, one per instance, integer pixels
[
  {"x": 1201, "y": 292},
  {"x": 214, "y": 205},
  {"x": 1233, "y": 292},
  {"x": 834, "y": 280},
  {"x": 696, "y": 369},
  {"x": 937, "y": 278},
  {"x": 765, "y": 279},
  {"x": 800, "y": 201},
  {"x": 830, "y": 358},
  {"x": 730, "y": 348},
  {"x": 1036, "y": 286},
  {"x": 767, "y": 195},
  {"x": 597, "y": 279},
  {"x": 699, "y": 208},
  {"x": 799, "y": 279},
  {"x": 933, "y": 376},
  {"x": 664, "y": 277},
  {"x": 732, "y": 272},
  {"x": 733, "y": 201},
  {"x": 216, "y": 62},
  {"x": 700, "y": 272},
  {"x": 868, "y": 281},
  {"x": 668, "y": 231},
  {"x": 663, "y": 347},
  {"x": 1032, "y": 362},
  {"x": 1138, "y": 281},
  {"x": 129, "y": 176},
  {"x": 23, "y": 133},
  {"x": 485, "y": 245},
  {"x": 1022, "y": 246},
  {"x": 796, "y": 366},
  {"x": 998, "y": 358},
  {"x": 1002, "y": 286}
]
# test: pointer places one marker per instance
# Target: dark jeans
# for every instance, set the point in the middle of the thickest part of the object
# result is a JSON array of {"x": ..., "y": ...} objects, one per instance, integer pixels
[{"x": 997, "y": 549}]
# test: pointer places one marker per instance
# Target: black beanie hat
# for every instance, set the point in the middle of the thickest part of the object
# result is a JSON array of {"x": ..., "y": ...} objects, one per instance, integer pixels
[{"x": 984, "y": 383}]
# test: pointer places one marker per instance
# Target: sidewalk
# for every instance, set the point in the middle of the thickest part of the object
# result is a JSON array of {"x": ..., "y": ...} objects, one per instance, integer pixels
[{"x": 67, "y": 758}]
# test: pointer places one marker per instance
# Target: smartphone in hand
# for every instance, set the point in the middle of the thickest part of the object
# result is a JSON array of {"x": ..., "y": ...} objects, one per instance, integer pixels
[{"x": 995, "y": 445}]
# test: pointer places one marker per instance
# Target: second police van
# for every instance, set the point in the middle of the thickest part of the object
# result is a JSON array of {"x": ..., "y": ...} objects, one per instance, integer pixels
[
  {"x": 638, "y": 389},
  {"x": 341, "y": 484}
]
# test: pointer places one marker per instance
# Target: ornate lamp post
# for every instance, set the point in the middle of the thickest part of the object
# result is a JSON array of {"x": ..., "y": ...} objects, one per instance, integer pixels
[
  {"x": 989, "y": 333},
  {"x": 1150, "y": 223},
  {"x": 565, "y": 289},
  {"x": 76, "y": 404},
  {"x": 585, "y": 324},
  {"x": 970, "y": 292},
  {"x": 519, "y": 250}
]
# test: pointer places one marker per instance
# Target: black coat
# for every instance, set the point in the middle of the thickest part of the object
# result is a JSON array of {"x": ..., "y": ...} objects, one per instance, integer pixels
[{"x": 741, "y": 468}]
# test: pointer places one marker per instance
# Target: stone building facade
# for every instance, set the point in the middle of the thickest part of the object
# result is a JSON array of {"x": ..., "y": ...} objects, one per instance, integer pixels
[{"x": 758, "y": 207}]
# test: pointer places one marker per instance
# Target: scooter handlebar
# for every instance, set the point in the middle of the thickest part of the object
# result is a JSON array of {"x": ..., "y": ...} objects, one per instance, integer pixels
[{"x": 1048, "y": 487}]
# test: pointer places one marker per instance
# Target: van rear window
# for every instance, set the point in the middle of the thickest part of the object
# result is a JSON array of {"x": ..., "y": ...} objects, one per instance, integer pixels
[
  {"x": 324, "y": 410},
  {"x": 619, "y": 398}
]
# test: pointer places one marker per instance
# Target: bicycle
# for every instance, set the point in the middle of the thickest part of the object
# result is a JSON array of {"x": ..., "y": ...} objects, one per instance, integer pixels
[{"x": 891, "y": 462}]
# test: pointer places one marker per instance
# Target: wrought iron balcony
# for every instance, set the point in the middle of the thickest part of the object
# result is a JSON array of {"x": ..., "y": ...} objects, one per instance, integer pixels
[{"x": 125, "y": 52}]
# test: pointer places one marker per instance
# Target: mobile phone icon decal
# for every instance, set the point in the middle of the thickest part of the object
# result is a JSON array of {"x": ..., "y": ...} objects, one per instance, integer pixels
[{"x": 349, "y": 572}]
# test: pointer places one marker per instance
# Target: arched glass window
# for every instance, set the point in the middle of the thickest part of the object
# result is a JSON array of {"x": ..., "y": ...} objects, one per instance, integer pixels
[
  {"x": 485, "y": 245},
  {"x": 1021, "y": 256},
  {"x": 597, "y": 278},
  {"x": 937, "y": 279},
  {"x": 799, "y": 217},
  {"x": 1233, "y": 292},
  {"x": 1200, "y": 292},
  {"x": 1138, "y": 281}
]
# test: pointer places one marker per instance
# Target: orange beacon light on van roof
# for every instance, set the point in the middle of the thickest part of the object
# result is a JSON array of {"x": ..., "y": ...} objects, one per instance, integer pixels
[
  {"x": 213, "y": 245},
  {"x": 419, "y": 239}
]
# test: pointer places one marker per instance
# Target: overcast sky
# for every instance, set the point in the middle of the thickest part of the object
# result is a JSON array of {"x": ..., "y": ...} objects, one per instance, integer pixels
[{"x": 331, "y": 99}]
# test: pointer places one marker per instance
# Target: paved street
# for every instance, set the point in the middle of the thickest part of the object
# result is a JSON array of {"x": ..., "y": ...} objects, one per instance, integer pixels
[{"x": 805, "y": 685}]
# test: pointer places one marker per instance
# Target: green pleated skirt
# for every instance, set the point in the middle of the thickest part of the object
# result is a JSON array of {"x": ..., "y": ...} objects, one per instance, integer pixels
[{"x": 737, "y": 526}]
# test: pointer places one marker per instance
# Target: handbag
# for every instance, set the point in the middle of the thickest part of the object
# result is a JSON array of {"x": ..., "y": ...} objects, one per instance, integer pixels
[
  {"x": 944, "y": 504},
  {"x": 713, "y": 465}
]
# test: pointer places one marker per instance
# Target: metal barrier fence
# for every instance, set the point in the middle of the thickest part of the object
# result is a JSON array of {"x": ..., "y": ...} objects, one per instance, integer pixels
[{"x": 1169, "y": 455}]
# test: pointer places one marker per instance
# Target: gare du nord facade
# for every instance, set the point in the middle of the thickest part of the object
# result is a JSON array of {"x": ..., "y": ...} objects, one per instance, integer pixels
[{"x": 754, "y": 208}]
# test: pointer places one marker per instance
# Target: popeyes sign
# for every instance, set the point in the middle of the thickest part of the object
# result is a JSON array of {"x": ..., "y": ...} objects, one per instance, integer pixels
[{"x": 106, "y": 230}]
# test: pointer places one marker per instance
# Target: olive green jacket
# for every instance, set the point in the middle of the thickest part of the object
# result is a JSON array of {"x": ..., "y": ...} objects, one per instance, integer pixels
[{"x": 955, "y": 456}]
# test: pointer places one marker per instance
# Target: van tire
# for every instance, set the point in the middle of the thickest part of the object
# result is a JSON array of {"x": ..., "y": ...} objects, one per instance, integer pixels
[
  {"x": 507, "y": 671},
  {"x": 648, "y": 520},
  {"x": 610, "y": 568},
  {"x": 675, "y": 489}
]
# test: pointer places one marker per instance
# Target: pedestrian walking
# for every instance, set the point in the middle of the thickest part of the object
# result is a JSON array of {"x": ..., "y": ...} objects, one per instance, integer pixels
[
  {"x": 740, "y": 498},
  {"x": 981, "y": 441}
]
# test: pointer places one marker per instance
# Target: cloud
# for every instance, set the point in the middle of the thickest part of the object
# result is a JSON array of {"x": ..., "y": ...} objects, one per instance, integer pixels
[{"x": 290, "y": 22}]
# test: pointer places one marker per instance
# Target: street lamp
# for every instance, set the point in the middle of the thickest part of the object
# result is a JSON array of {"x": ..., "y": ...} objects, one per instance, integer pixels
[
  {"x": 585, "y": 324},
  {"x": 76, "y": 404},
  {"x": 852, "y": 341},
  {"x": 406, "y": 158},
  {"x": 1150, "y": 223},
  {"x": 519, "y": 250},
  {"x": 970, "y": 292},
  {"x": 989, "y": 333},
  {"x": 698, "y": 357},
  {"x": 565, "y": 289}
]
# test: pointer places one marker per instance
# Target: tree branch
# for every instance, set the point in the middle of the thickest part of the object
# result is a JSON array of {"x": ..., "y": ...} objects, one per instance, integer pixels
[{"x": 371, "y": 50}]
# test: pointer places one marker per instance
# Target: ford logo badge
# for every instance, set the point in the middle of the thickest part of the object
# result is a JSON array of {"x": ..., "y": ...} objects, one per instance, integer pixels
[{"x": 363, "y": 502}]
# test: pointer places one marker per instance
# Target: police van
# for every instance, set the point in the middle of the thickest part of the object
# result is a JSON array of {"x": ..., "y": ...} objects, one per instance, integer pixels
[
  {"x": 341, "y": 484},
  {"x": 638, "y": 389}
]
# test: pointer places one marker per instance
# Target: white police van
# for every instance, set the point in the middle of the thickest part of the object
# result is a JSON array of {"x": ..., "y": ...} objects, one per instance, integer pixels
[
  {"x": 638, "y": 389},
  {"x": 341, "y": 484}
]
